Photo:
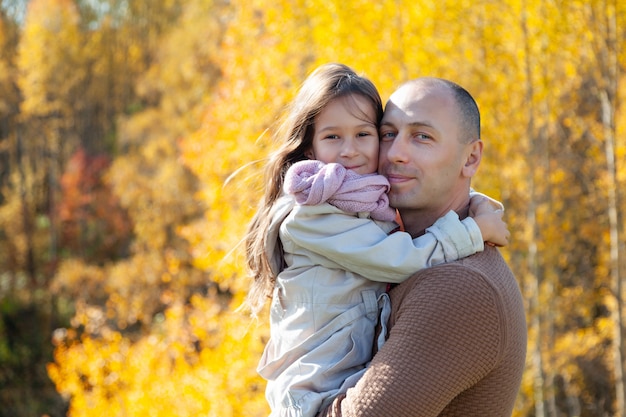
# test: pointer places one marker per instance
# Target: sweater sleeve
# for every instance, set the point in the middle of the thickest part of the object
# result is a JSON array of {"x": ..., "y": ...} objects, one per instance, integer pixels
[
  {"x": 446, "y": 336},
  {"x": 336, "y": 239}
]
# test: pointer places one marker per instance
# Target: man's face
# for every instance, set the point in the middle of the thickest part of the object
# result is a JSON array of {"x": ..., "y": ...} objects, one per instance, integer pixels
[{"x": 420, "y": 150}]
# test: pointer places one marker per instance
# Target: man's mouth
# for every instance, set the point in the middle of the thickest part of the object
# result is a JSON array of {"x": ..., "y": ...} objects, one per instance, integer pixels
[{"x": 397, "y": 178}]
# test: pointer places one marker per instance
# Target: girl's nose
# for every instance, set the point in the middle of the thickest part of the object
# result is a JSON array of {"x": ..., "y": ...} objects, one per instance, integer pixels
[{"x": 349, "y": 149}]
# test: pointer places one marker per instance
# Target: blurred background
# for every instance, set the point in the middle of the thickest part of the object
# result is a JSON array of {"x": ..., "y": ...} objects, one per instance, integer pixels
[{"x": 121, "y": 121}]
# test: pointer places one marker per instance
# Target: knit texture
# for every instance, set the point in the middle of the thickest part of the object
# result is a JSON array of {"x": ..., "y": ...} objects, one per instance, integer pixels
[
  {"x": 457, "y": 346},
  {"x": 313, "y": 183}
]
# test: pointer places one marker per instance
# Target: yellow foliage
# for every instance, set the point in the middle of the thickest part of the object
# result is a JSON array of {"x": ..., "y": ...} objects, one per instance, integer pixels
[
  {"x": 221, "y": 80},
  {"x": 49, "y": 57},
  {"x": 209, "y": 374}
]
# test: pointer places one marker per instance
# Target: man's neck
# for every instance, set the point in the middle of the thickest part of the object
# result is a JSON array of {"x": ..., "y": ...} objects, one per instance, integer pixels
[{"x": 417, "y": 221}]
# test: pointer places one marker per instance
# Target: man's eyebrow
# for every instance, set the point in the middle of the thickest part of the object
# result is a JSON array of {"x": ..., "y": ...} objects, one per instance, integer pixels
[
  {"x": 421, "y": 124},
  {"x": 412, "y": 124}
]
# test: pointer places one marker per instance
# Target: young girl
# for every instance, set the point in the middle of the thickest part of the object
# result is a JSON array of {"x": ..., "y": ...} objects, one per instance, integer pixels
[{"x": 321, "y": 245}]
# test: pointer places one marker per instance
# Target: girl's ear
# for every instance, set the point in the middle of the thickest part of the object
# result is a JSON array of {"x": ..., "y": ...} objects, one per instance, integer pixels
[
  {"x": 310, "y": 154},
  {"x": 474, "y": 155}
]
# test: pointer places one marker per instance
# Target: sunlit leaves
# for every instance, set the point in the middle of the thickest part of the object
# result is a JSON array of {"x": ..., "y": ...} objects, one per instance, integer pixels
[
  {"x": 163, "y": 372},
  {"x": 185, "y": 95},
  {"x": 49, "y": 57}
]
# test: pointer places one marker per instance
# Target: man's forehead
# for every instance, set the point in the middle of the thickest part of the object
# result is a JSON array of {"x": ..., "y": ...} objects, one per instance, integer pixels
[
  {"x": 416, "y": 92},
  {"x": 396, "y": 111},
  {"x": 411, "y": 101}
]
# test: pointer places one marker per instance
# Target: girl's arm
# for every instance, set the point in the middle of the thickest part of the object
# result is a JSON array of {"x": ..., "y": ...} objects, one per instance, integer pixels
[
  {"x": 336, "y": 239},
  {"x": 488, "y": 213}
]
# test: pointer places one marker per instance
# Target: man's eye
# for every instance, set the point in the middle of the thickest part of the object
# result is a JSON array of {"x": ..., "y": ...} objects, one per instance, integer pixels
[
  {"x": 422, "y": 136},
  {"x": 387, "y": 136}
]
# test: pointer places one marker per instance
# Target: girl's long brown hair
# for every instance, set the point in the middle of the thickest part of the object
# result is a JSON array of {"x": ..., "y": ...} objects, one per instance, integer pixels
[{"x": 295, "y": 137}]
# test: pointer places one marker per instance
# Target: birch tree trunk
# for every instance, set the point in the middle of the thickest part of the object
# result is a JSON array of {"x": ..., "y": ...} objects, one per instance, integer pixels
[{"x": 606, "y": 49}]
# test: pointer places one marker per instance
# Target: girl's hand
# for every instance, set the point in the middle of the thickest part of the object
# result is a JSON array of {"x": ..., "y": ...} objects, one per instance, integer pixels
[{"x": 488, "y": 216}]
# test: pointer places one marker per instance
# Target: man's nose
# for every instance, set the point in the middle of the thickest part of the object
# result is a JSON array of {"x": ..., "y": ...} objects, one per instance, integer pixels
[{"x": 397, "y": 150}]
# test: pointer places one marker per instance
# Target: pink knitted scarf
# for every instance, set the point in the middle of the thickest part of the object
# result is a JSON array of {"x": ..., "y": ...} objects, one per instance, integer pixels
[{"x": 313, "y": 182}]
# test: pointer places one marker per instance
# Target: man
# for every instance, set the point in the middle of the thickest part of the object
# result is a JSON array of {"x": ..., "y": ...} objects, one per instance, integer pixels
[{"x": 457, "y": 340}]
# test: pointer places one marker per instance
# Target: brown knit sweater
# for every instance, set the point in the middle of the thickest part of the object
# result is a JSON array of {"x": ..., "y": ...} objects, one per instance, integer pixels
[{"x": 456, "y": 347}]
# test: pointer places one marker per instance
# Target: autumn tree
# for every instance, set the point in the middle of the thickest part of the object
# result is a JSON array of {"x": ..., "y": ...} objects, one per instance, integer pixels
[
  {"x": 50, "y": 71},
  {"x": 9, "y": 99},
  {"x": 134, "y": 162},
  {"x": 158, "y": 307}
]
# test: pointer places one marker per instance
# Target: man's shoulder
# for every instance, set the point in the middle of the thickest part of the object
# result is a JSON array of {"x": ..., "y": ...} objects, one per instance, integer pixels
[
  {"x": 487, "y": 268},
  {"x": 489, "y": 261},
  {"x": 491, "y": 265},
  {"x": 488, "y": 265}
]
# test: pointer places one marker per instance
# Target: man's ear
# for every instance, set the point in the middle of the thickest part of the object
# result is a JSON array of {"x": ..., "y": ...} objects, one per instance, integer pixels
[{"x": 474, "y": 155}]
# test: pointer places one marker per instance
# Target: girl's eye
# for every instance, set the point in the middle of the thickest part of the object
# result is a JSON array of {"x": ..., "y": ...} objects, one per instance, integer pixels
[
  {"x": 331, "y": 136},
  {"x": 361, "y": 134}
]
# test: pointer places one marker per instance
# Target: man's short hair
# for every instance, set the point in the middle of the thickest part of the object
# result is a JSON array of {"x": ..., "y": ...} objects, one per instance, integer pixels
[
  {"x": 467, "y": 107},
  {"x": 470, "y": 115}
]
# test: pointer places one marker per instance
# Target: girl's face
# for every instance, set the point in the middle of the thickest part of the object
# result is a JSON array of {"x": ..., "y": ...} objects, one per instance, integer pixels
[{"x": 346, "y": 133}]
